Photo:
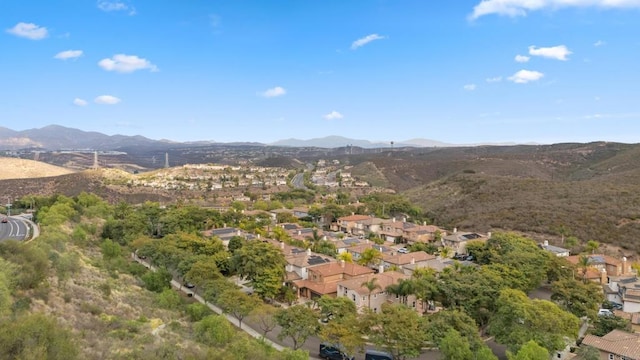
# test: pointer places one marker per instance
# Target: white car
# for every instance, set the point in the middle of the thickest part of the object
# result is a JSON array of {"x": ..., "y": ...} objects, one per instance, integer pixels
[
  {"x": 403, "y": 250},
  {"x": 605, "y": 312}
]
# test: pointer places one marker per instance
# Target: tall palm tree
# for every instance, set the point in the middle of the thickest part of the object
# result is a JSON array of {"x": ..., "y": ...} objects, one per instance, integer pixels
[
  {"x": 403, "y": 289},
  {"x": 371, "y": 285},
  {"x": 583, "y": 264}
]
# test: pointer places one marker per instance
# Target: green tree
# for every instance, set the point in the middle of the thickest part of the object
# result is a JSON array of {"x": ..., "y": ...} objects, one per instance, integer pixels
[
  {"x": 520, "y": 319},
  {"x": 603, "y": 325},
  {"x": 398, "y": 329},
  {"x": 587, "y": 352},
  {"x": 371, "y": 285},
  {"x": 579, "y": 298},
  {"x": 592, "y": 246},
  {"x": 158, "y": 280},
  {"x": 263, "y": 264},
  {"x": 235, "y": 243},
  {"x": 214, "y": 330},
  {"x": 36, "y": 336},
  {"x": 110, "y": 250},
  {"x": 370, "y": 256},
  {"x": 238, "y": 304},
  {"x": 264, "y": 317},
  {"x": 346, "y": 257},
  {"x": 344, "y": 332},
  {"x": 455, "y": 347},
  {"x": 439, "y": 324},
  {"x": 169, "y": 299},
  {"x": 530, "y": 351},
  {"x": 298, "y": 323},
  {"x": 337, "y": 307},
  {"x": 203, "y": 271}
]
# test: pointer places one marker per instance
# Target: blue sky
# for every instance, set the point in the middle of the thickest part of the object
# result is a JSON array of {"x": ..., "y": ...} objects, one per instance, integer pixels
[{"x": 464, "y": 71}]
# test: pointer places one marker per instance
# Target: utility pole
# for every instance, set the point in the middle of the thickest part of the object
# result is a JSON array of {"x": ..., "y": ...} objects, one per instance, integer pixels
[{"x": 8, "y": 206}]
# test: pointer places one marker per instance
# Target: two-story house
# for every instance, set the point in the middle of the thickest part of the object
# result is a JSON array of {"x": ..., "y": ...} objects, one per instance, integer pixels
[
  {"x": 352, "y": 224},
  {"x": 323, "y": 279},
  {"x": 398, "y": 261},
  {"x": 616, "y": 345},
  {"x": 355, "y": 289},
  {"x": 457, "y": 241}
]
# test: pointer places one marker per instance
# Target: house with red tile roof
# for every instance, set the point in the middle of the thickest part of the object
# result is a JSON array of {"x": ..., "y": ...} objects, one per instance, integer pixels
[
  {"x": 616, "y": 345},
  {"x": 354, "y": 290},
  {"x": 323, "y": 279}
]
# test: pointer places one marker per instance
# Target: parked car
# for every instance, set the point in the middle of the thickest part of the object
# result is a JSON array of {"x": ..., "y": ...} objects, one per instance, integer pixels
[
  {"x": 189, "y": 285},
  {"x": 331, "y": 352},
  {"x": 403, "y": 250},
  {"x": 377, "y": 355},
  {"x": 4, "y": 219},
  {"x": 605, "y": 312}
]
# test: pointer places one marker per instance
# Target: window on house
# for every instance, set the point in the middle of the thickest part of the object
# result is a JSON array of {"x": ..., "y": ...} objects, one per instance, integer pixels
[
  {"x": 414, "y": 304},
  {"x": 611, "y": 357},
  {"x": 354, "y": 298}
]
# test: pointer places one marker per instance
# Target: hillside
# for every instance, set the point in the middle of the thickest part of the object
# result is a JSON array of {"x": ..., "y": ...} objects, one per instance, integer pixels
[{"x": 13, "y": 168}]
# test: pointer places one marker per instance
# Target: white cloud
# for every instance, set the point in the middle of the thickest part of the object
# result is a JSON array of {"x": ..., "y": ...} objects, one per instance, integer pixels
[
  {"x": 273, "y": 92},
  {"x": 108, "y": 6},
  {"x": 559, "y": 52},
  {"x": 470, "y": 87},
  {"x": 80, "y": 102},
  {"x": 334, "y": 115},
  {"x": 525, "y": 76},
  {"x": 515, "y": 8},
  {"x": 365, "y": 40},
  {"x": 126, "y": 64},
  {"x": 494, "y": 79},
  {"x": 69, "y": 54},
  {"x": 29, "y": 31},
  {"x": 106, "y": 100},
  {"x": 521, "y": 58},
  {"x": 599, "y": 43}
]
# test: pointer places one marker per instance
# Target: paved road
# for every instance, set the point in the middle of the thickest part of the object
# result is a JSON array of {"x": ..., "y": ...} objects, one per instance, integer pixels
[
  {"x": 15, "y": 228},
  {"x": 298, "y": 181}
]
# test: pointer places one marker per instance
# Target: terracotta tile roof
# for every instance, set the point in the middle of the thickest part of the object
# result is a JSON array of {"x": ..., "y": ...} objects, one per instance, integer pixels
[
  {"x": 595, "y": 259},
  {"x": 334, "y": 268},
  {"x": 616, "y": 342},
  {"x": 404, "y": 259},
  {"x": 353, "y": 218},
  {"x": 384, "y": 279},
  {"x": 318, "y": 288},
  {"x": 633, "y": 317}
]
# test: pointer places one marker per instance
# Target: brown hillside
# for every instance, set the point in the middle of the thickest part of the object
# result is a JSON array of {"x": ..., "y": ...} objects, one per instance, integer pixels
[{"x": 14, "y": 168}]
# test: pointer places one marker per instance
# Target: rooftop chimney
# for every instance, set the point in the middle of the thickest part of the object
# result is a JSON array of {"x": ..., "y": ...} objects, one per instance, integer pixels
[
  {"x": 603, "y": 277},
  {"x": 308, "y": 252},
  {"x": 624, "y": 265},
  {"x": 393, "y": 219},
  {"x": 324, "y": 237},
  {"x": 546, "y": 243},
  {"x": 380, "y": 269},
  {"x": 413, "y": 260},
  {"x": 342, "y": 263},
  {"x": 282, "y": 245},
  {"x": 455, "y": 230},
  {"x": 299, "y": 232}
]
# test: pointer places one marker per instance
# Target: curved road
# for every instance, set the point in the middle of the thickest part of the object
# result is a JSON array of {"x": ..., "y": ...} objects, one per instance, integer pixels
[{"x": 15, "y": 228}]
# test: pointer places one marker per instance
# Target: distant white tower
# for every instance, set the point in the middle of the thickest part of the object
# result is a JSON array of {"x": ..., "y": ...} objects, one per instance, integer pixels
[
  {"x": 166, "y": 160},
  {"x": 95, "y": 160}
]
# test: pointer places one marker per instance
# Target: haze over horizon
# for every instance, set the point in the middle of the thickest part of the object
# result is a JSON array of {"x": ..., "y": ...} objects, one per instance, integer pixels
[{"x": 464, "y": 72}]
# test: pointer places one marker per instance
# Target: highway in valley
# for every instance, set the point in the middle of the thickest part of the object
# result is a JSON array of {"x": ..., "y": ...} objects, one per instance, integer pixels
[{"x": 15, "y": 228}]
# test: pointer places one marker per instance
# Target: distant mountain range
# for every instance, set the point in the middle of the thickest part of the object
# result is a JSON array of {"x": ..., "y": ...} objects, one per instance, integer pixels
[
  {"x": 56, "y": 137},
  {"x": 339, "y": 141}
]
